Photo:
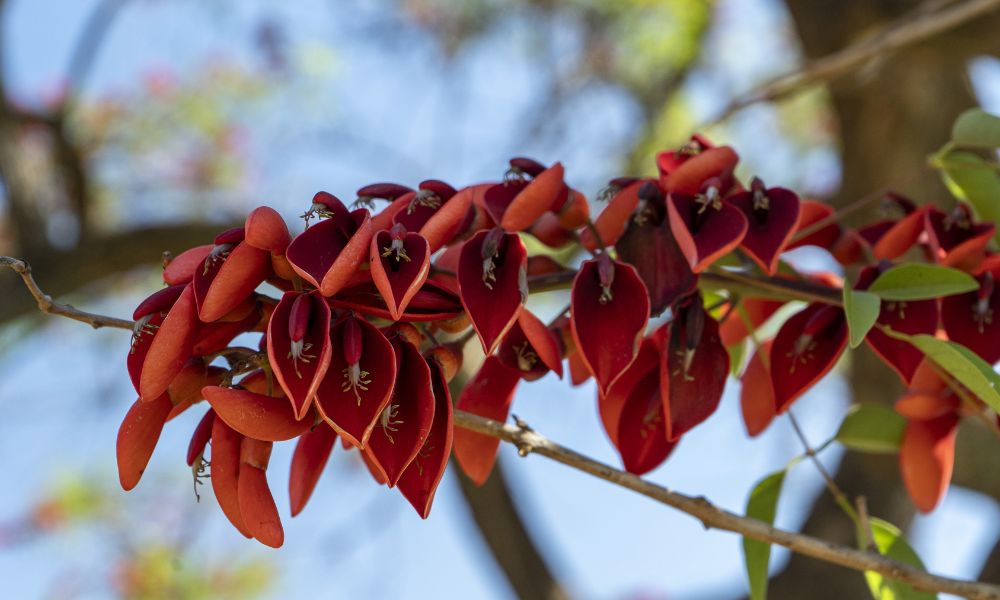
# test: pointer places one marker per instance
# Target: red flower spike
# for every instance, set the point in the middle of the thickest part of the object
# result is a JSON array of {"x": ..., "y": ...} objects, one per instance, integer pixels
[
  {"x": 636, "y": 379},
  {"x": 955, "y": 240},
  {"x": 806, "y": 348},
  {"x": 420, "y": 480},
  {"x": 642, "y": 439},
  {"x": 181, "y": 268},
  {"x": 328, "y": 254},
  {"x": 911, "y": 318},
  {"x": 199, "y": 439},
  {"x": 615, "y": 217},
  {"x": 257, "y": 416},
  {"x": 225, "y": 461},
  {"x": 757, "y": 311},
  {"x": 432, "y": 302},
  {"x": 137, "y": 437},
  {"x": 973, "y": 319},
  {"x": 608, "y": 314},
  {"x": 772, "y": 215},
  {"x": 488, "y": 395},
  {"x": 170, "y": 346},
  {"x": 360, "y": 380},
  {"x": 266, "y": 230},
  {"x": 311, "y": 454},
  {"x": 256, "y": 502},
  {"x": 705, "y": 227},
  {"x": 689, "y": 176},
  {"x": 298, "y": 346},
  {"x": 757, "y": 394},
  {"x": 812, "y": 212},
  {"x": 405, "y": 423},
  {"x": 530, "y": 348},
  {"x": 228, "y": 276},
  {"x": 492, "y": 279},
  {"x": 693, "y": 373},
  {"x": 926, "y": 459},
  {"x": 400, "y": 262},
  {"x": 536, "y": 198},
  {"x": 649, "y": 245}
]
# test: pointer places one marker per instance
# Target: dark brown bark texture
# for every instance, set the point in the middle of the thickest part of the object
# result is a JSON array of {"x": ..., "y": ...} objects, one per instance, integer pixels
[{"x": 891, "y": 113}]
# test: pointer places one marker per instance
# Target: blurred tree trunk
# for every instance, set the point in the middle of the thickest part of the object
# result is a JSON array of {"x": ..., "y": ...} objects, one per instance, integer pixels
[{"x": 892, "y": 114}]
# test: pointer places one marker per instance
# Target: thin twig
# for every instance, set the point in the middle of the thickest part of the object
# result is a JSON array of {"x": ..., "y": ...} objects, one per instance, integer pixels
[
  {"x": 49, "y": 306},
  {"x": 838, "y": 494},
  {"x": 529, "y": 441},
  {"x": 914, "y": 27}
]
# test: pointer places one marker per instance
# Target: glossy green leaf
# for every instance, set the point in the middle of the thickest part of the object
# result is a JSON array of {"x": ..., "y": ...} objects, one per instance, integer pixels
[
  {"x": 762, "y": 505},
  {"x": 862, "y": 310},
  {"x": 737, "y": 354},
  {"x": 915, "y": 281},
  {"x": 961, "y": 363},
  {"x": 872, "y": 428},
  {"x": 976, "y": 128},
  {"x": 890, "y": 542},
  {"x": 974, "y": 180}
]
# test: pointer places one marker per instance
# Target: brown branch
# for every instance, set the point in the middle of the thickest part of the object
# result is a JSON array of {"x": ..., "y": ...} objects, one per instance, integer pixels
[
  {"x": 528, "y": 441},
  {"x": 910, "y": 29}
]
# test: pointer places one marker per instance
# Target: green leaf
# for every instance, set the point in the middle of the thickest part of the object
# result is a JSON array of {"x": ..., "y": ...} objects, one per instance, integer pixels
[
  {"x": 872, "y": 428},
  {"x": 915, "y": 281},
  {"x": 762, "y": 505},
  {"x": 862, "y": 310},
  {"x": 737, "y": 352},
  {"x": 961, "y": 363},
  {"x": 890, "y": 542},
  {"x": 976, "y": 128},
  {"x": 974, "y": 180}
]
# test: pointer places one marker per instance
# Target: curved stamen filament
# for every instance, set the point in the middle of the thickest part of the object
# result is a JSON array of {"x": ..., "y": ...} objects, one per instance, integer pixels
[
  {"x": 388, "y": 419},
  {"x": 397, "y": 248},
  {"x": 355, "y": 379},
  {"x": 142, "y": 327},
  {"x": 526, "y": 357},
  {"x": 298, "y": 353}
]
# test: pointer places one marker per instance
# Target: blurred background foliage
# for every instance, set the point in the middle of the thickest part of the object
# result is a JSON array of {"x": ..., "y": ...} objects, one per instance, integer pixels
[{"x": 131, "y": 127}]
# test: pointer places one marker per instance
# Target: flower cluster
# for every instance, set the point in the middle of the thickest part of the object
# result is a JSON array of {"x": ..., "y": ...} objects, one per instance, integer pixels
[{"x": 374, "y": 311}]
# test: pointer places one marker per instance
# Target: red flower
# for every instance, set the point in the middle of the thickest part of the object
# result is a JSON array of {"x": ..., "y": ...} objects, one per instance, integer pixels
[
  {"x": 973, "y": 319},
  {"x": 230, "y": 273},
  {"x": 806, "y": 348},
  {"x": 328, "y": 254},
  {"x": 492, "y": 280},
  {"x": 298, "y": 346},
  {"x": 420, "y": 480},
  {"x": 705, "y": 227},
  {"x": 489, "y": 395},
  {"x": 772, "y": 215},
  {"x": 399, "y": 262},
  {"x": 311, "y": 453}
]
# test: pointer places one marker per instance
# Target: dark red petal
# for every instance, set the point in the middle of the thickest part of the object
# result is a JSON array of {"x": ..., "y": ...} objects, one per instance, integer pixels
[
  {"x": 806, "y": 348},
  {"x": 299, "y": 369},
  {"x": 530, "y": 348},
  {"x": 757, "y": 394},
  {"x": 926, "y": 459},
  {"x": 649, "y": 245},
  {"x": 226, "y": 282},
  {"x": 973, "y": 319},
  {"x": 704, "y": 234},
  {"x": 225, "y": 471},
  {"x": 492, "y": 283},
  {"x": 536, "y": 198},
  {"x": 433, "y": 302},
  {"x": 693, "y": 373},
  {"x": 199, "y": 439},
  {"x": 610, "y": 405},
  {"x": 257, "y": 416},
  {"x": 956, "y": 241},
  {"x": 498, "y": 197},
  {"x": 398, "y": 275},
  {"x": 311, "y": 453},
  {"x": 769, "y": 229},
  {"x": 811, "y": 212},
  {"x": 256, "y": 502},
  {"x": 159, "y": 301},
  {"x": 420, "y": 480},
  {"x": 181, "y": 268},
  {"x": 642, "y": 439},
  {"x": 607, "y": 333},
  {"x": 170, "y": 346},
  {"x": 137, "y": 437},
  {"x": 351, "y": 410},
  {"x": 328, "y": 254},
  {"x": 405, "y": 422},
  {"x": 489, "y": 395},
  {"x": 266, "y": 230}
]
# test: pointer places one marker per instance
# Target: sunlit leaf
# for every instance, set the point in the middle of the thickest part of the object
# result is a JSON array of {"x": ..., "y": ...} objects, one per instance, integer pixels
[
  {"x": 921, "y": 282},
  {"x": 762, "y": 505},
  {"x": 976, "y": 128},
  {"x": 862, "y": 310},
  {"x": 872, "y": 428},
  {"x": 976, "y": 181},
  {"x": 890, "y": 542}
]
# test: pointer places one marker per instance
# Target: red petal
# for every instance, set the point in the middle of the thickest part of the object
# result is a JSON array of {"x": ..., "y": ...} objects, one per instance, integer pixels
[
  {"x": 755, "y": 310},
  {"x": 757, "y": 394},
  {"x": 489, "y": 395},
  {"x": 266, "y": 230},
  {"x": 531, "y": 348},
  {"x": 170, "y": 346},
  {"x": 615, "y": 217},
  {"x": 354, "y": 416},
  {"x": 536, "y": 198},
  {"x": 137, "y": 437},
  {"x": 812, "y": 212},
  {"x": 212, "y": 337},
  {"x": 450, "y": 220},
  {"x": 420, "y": 480},
  {"x": 225, "y": 283},
  {"x": 642, "y": 439},
  {"x": 610, "y": 405},
  {"x": 974, "y": 325},
  {"x": 926, "y": 459},
  {"x": 300, "y": 377},
  {"x": 405, "y": 422},
  {"x": 607, "y": 334},
  {"x": 704, "y": 234},
  {"x": 900, "y": 237},
  {"x": 256, "y": 416},
  {"x": 433, "y": 302},
  {"x": 769, "y": 229},
  {"x": 328, "y": 254},
  {"x": 689, "y": 176},
  {"x": 181, "y": 268},
  {"x": 396, "y": 278},
  {"x": 549, "y": 231},
  {"x": 493, "y": 294},
  {"x": 225, "y": 461},
  {"x": 798, "y": 358},
  {"x": 256, "y": 503},
  {"x": 199, "y": 439},
  {"x": 311, "y": 453}
]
